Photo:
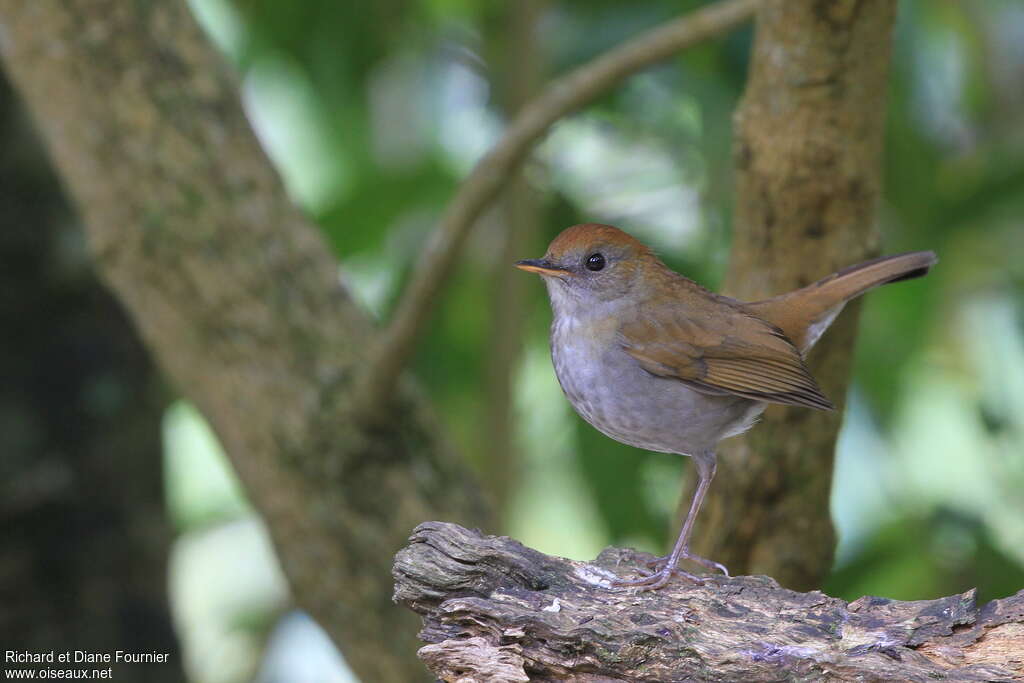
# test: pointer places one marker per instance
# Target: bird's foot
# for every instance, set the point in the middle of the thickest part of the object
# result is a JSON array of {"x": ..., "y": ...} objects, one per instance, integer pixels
[
  {"x": 660, "y": 562},
  {"x": 653, "y": 580},
  {"x": 662, "y": 570}
]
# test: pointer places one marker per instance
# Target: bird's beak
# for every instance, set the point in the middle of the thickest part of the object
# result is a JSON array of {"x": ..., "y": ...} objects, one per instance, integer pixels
[{"x": 541, "y": 267}]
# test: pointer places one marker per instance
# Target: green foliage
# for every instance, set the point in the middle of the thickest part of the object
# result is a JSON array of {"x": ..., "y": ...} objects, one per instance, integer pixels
[
  {"x": 919, "y": 558},
  {"x": 615, "y": 475}
]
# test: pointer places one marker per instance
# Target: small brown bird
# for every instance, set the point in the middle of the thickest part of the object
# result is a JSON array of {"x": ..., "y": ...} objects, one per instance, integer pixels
[{"x": 656, "y": 361}]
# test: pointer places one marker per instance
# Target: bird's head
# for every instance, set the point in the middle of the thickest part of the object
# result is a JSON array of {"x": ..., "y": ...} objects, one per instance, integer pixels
[{"x": 592, "y": 263}]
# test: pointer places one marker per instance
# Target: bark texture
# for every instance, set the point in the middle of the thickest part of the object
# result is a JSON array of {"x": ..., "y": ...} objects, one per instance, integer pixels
[
  {"x": 496, "y": 611},
  {"x": 808, "y": 175},
  {"x": 85, "y": 544},
  {"x": 240, "y": 300}
]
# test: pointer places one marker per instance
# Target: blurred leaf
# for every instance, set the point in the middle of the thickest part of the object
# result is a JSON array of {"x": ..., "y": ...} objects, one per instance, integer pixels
[
  {"x": 614, "y": 474},
  {"x": 925, "y": 558},
  {"x": 361, "y": 221}
]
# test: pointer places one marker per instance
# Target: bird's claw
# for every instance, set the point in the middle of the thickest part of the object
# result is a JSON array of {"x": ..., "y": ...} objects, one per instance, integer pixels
[
  {"x": 661, "y": 572},
  {"x": 702, "y": 561},
  {"x": 654, "y": 580}
]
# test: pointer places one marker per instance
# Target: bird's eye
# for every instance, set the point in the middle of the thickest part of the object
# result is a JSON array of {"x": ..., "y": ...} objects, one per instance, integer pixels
[{"x": 595, "y": 262}]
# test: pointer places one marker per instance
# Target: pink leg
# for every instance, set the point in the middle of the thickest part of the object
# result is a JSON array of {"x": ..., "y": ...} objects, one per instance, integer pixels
[{"x": 705, "y": 464}]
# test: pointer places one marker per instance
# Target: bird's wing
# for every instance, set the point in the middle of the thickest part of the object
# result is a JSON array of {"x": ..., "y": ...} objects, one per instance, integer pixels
[{"x": 724, "y": 351}]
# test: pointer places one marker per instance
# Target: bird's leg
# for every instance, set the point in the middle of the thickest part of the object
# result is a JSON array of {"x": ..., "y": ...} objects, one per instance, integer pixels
[{"x": 705, "y": 463}]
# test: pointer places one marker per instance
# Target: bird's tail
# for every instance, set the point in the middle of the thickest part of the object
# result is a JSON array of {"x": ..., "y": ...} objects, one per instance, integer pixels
[{"x": 804, "y": 314}]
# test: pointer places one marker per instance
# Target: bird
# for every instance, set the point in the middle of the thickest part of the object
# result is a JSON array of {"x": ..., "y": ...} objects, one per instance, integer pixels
[{"x": 654, "y": 360}]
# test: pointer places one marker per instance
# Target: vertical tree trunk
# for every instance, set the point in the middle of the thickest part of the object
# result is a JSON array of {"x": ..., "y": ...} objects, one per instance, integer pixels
[
  {"x": 808, "y": 165},
  {"x": 84, "y": 561},
  {"x": 518, "y": 67},
  {"x": 240, "y": 301}
]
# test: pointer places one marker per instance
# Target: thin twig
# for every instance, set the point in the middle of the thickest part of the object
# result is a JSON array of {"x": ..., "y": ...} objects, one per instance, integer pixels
[{"x": 563, "y": 96}]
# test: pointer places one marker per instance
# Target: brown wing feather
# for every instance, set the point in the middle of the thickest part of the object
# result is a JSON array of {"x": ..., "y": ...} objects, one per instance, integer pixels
[{"x": 730, "y": 352}]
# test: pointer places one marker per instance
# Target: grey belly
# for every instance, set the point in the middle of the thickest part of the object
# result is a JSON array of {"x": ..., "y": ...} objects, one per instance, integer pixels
[{"x": 630, "y": 405}]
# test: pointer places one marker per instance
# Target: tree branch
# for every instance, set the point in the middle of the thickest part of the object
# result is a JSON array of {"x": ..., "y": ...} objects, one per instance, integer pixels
[
  {"x": 560, "y": 98},
  {"x": 237, "y": 296},
  {"x": 494, "y": 610}
]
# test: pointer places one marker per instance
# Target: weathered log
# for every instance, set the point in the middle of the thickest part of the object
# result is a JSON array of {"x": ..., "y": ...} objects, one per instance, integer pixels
[{"x": 494, "y": 610}]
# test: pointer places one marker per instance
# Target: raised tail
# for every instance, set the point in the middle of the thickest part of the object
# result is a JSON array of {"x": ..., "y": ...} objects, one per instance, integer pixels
[{"x": 804, "y": 314}]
